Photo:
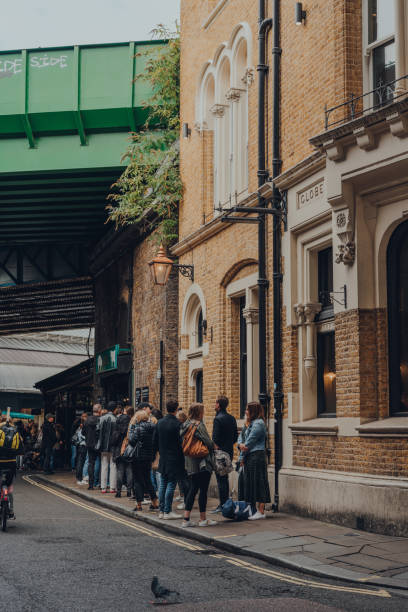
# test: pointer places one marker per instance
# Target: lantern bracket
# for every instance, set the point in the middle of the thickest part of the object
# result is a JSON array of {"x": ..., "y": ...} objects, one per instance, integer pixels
[{"x": 185, "y": 270}]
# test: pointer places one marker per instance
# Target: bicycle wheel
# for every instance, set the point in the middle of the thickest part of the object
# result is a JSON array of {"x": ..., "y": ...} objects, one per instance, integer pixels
[{"x": 4, "y": 516}]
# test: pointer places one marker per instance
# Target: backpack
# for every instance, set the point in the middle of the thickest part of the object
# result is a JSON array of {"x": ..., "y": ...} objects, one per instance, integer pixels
[
  {"x": 193, "y": 447},
  {"x": 237, "y": 510},
  {"x": 9, "y": 438},
  {"x": 223, "y": 463}
]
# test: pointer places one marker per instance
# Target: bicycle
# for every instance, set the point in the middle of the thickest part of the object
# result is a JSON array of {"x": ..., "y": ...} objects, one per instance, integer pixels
[{"x": 4, "y": 502}]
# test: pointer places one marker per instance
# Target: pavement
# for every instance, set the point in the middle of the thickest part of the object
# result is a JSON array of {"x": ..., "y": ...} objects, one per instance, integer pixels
[{"x": 302, "y": 544}]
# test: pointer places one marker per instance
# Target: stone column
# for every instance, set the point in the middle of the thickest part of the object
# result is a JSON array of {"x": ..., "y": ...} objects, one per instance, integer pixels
[
  {"x": 310, "y": 311},
  {"x": 251, "y": 317}
]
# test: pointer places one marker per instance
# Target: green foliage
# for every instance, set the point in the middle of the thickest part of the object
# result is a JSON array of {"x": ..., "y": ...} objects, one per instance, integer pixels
[{"x": 150, "y": 188}]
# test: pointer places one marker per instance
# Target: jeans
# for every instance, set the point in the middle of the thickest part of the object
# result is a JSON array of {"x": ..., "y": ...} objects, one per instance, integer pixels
[
  {"x": 47, "y": 459},
  {"x": 124, "y": 468},
  {"x": 198, "y": 482},
  {"x": 94, "y": 463},
  {"x": 142, "y": 482},
  {"x": 156, "y": 480},
  {"x": 166, "y": 494},
  {"x": 108, "y": 466},
  {"x": 80, "y": 460},
  {"x": 85, "y": 471},
  {"x": 223, "y": 488},
  {"x": 73, "y": 456}
]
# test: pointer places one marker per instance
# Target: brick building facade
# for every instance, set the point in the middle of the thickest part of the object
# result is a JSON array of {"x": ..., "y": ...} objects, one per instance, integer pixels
[
  {"x": 136, "y": 316},
  {"x": 345, "y": 290}
]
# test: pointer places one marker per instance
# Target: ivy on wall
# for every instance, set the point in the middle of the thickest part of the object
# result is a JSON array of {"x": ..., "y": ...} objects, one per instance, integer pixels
[{"x": 151, "y": 182}]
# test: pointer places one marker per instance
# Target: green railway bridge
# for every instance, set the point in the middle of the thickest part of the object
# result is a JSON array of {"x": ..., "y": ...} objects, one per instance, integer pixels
[{"x": 65, "y": 118}]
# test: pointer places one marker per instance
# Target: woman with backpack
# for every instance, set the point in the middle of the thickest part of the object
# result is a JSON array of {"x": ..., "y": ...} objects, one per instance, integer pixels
[
  {"x": 140, "y": 450},
  {"x": 198, "y": 451},
  {"x": 253, "y": 486}
]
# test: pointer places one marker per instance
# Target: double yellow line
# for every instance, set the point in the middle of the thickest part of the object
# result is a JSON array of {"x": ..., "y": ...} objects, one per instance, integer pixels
[{"x": 192, "y": 547}]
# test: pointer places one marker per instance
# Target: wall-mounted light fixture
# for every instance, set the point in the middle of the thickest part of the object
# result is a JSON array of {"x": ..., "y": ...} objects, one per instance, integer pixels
[
  {"x": 186, "y": 131},
  {"x": 161, "y": 266},
  {"x": 300, "y": 14}
]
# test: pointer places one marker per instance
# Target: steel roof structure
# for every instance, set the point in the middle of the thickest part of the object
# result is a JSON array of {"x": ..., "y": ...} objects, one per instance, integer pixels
[{"x": 65, "y": 118}]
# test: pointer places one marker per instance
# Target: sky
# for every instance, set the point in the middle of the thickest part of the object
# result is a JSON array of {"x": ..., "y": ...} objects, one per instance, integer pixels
[{"x": 26, "y": 24}]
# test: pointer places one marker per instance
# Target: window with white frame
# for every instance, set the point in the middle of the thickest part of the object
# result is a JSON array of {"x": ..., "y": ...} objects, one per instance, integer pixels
[
  {"x": 380, "y": 49},
  {"x": 224, "y": 95}
]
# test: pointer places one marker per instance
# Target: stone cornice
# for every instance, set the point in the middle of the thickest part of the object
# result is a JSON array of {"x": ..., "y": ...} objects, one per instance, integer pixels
[
  {"x": 214, "y": 13},
  {"x": 364, "y": 130},
  {"x": 305, "y": 168}
]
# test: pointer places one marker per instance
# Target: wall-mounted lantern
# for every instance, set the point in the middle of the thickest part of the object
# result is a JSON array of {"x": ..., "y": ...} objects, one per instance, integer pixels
[{"x": 161, "y": 266}]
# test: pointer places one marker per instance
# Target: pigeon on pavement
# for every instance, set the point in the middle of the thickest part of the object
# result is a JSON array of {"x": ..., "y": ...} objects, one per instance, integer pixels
[{"x": 163, "y": 595}]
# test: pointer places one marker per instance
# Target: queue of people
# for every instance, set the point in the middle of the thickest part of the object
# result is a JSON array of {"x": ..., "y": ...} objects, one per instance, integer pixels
[{"x": 148, "y": 455}]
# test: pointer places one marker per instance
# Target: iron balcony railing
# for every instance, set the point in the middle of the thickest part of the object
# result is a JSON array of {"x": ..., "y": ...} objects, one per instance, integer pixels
[{"x": 357, "y": 106}]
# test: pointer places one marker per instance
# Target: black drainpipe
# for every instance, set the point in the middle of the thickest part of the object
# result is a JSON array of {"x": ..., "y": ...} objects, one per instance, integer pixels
[
  {"x": 277, "y": 268},
  {"x": 263, "y": 174}
]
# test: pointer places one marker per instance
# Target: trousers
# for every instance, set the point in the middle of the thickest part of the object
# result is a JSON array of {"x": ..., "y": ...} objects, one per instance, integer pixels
[
  {"x": 108, "y": 466},
  {"x": 223, "y": 488},
  {"x": 141, "y": 480},
  {"x": 198, "y": 482},
  {"x": 124, "y": 468},
  {"x": 93, "y": 456}
]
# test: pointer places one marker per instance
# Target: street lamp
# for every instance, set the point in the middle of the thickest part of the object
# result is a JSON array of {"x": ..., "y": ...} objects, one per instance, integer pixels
[{"x": 161, "y": 266}]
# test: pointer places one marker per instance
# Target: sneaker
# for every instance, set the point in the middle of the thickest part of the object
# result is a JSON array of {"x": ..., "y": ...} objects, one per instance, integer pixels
[
  {"x": 256, "y": 516},
  {"x": 178, "y": 498},
  {"x": 118, "y": 494},
  {"x": 103, "y": 491},
  {"x": 188, "y": 524},
  {"x": 153, "y": 508},
  {"x": 84, "y": 482},
  {"x": 112, "y": 490},
  {"x": 161, "y": 515},
  {"x": 145, "y": 501},
  {"x": 171, "y": 516},
  {"x": 207, "y": 523},
  {"x": 85, "y": 479},
  {"x": 181, "y": 506},
  {"x": 79, "y": 482},
  {"x": 217, "y": 510},
  {"x": 12, "y": 516}
]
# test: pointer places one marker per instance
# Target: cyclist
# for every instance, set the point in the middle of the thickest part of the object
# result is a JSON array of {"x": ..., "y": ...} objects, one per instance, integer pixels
[{"x": 10, "y": 446}]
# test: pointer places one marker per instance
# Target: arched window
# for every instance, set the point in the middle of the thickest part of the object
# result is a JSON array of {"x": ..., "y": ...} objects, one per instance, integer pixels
[
  {"x": 199, "y": 329},
  {"x": 240, "y": 119},
  {"x": 397, "y": 273},
  {"x": 223, "y": 136}
]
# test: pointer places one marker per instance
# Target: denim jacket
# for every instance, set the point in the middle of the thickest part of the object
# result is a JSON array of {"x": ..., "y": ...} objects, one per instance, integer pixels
[{"x": 253, "y": 436}]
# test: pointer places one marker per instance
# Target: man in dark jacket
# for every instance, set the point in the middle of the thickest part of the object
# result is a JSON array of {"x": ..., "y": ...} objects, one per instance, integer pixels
[
  {"x": 225, "y": 434},
  {"x": 171, "y": 464},
  {"x": 90, "y": 431},
  {"x": 49, "y": 438},
  {"x": 107, "y": 429}
]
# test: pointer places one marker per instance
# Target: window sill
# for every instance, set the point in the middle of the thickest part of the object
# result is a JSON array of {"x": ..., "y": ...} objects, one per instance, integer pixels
[
  {"x": 195, "y": 354},
  {"x": 315, "y": 427},
  {"x": 393, "y": 427}
]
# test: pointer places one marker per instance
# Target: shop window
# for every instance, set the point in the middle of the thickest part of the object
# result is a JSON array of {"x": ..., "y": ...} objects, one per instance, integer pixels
[
  {"x": 326, "y": 375},
  {"x": 397, "y": 262},
  {"x": 381, "y": 48},
  {"x": 243, "y": 359},
  {"x": 199, "y": 387},
  {"x": 325, "y": 282}
]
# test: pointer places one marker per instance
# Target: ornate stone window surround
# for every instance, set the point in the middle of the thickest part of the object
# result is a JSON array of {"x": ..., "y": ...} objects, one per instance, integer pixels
[
  {"x": 227, "y": 114},
  {"x": 193, "y": 303}
]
